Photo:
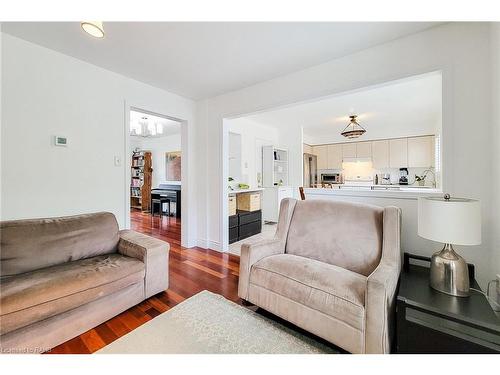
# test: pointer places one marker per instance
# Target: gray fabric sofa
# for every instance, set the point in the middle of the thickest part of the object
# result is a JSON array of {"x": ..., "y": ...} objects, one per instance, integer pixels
[
  {"x": 332, "y": 269},
  {"x": 59, "y": 277}
]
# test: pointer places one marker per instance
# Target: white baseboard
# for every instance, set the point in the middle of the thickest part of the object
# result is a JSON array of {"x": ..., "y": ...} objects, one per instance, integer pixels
[
  {"x": 203, "y": 243},
  {"x": 214, "y": 245},
  {"x": 207, "y": 244}
]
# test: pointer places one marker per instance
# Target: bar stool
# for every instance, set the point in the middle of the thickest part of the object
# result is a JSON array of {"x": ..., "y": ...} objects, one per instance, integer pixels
[
  {"x": 160, "y": 202},
  {"x": 172, "y": 199}
]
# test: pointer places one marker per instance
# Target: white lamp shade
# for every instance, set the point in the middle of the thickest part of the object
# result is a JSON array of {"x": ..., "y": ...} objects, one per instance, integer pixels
[{"x": 456, "y": 221}]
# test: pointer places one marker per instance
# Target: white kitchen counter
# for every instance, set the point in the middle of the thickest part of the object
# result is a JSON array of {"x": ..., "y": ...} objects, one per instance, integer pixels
[
  {"x": 407, "y": 192},
  {"x": 237, "y": 191}
]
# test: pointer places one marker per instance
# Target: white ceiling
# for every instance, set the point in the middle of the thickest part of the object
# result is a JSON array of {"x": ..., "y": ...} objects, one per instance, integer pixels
[
  {"x": 168, "y": 127},
  {"x": 200, "y": 60},
  {"x": 397, "y": 109}
]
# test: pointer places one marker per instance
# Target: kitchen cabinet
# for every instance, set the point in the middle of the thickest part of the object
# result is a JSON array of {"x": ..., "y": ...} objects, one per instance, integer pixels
[
  {"x": 271, "y": 200},
  {"x": 348, "y": 150},
  {"x": 364, "y": 150},
  {"x": 380, "y": 154},
  {"x": 357, "y": 150},
  {"x": 398, "y": 153},
  {"x": 334, "y": 155},
  {"x": 322, "y": 153},
  {"x": 413, "y": 152},
  {"x": 421, "y": 152},
  {"x": 307, "y": 149}
]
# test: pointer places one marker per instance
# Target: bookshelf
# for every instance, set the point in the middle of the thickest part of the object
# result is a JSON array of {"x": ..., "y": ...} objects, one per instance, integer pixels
[
  {"x": 140, "y": 184},
  {"x": 274, "y": 166}
]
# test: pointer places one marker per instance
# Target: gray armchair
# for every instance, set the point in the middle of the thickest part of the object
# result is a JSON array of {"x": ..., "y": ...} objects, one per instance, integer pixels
[{"x": 332, "y": 269}]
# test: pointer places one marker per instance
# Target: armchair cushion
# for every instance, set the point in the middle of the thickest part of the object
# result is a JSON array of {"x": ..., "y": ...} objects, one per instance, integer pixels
[
  {"x": 324, "y": 287},
  {"x": 348, "y": 235}
]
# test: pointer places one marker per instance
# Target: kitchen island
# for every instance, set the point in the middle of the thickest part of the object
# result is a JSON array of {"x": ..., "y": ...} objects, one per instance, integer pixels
[{"x": 382, "y": 191}]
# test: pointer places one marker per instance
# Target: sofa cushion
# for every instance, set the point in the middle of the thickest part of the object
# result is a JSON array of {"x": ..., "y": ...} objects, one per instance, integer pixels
[
  {"x": 324, "y": 287},
  {"x": 37, "y": 295},
  {"x": 348, "y": 235},
  {"x": 28, "y": 245}
]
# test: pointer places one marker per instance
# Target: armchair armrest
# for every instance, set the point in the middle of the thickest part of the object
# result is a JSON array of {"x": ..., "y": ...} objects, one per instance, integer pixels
[
  {"x": 252, "y": 253},
  {"x": 153, "y": 252},
  {"x": 382, "y": 285}
]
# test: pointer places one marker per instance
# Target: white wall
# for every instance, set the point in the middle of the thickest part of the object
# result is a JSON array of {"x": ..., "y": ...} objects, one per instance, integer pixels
[
  {"x": 158, "y": 147},
  {"x": 253, "y": 136},
  {"x": 451, "y": 48},
  {"x": 1, "y": 121},
  {"x": 495, "y": 101},
  {"x": 46, "y": 93}
]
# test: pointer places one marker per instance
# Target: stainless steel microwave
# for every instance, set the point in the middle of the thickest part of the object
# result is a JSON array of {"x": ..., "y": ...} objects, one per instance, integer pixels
[{"x": 330, "y": 178}]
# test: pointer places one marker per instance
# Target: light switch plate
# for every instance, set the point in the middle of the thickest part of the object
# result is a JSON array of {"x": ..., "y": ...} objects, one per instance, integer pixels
[
  {"x": 118, "y": 161},
  {"x": 60, "y": 141}
]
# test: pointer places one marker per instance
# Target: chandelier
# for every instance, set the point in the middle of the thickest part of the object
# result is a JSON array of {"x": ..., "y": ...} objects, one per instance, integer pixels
[
  {"x": 146, "y": 128},
  {"x": 353, "y": 129}
]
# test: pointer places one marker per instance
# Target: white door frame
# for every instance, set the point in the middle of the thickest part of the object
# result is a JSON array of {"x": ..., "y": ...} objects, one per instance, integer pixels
[{"x": 127, "y": 164}]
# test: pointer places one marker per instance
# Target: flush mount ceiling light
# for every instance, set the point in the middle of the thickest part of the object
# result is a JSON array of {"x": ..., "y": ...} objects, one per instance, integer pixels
[
  {"x": 353, "y": 129},
  {"x": 93, "y": 28}
]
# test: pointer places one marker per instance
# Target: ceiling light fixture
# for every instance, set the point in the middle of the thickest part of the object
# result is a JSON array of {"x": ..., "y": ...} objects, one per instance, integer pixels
[
  {"x": 353, "y": 129},
  {"x": 93, "y": 28}
]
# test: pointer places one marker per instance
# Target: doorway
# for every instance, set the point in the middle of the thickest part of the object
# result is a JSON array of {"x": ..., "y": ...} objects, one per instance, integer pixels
[{"x": 155, "y": 184}]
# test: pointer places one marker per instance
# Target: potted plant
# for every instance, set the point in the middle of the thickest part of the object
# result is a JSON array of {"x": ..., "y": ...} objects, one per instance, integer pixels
[{"x": 420, "y": 179}]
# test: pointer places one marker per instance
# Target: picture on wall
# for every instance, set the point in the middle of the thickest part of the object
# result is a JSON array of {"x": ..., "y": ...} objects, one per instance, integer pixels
[{"x": 173, "y": 166}]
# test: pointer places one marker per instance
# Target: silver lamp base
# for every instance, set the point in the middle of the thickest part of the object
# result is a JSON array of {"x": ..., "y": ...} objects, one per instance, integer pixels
[{"x": 449, "y": 272}]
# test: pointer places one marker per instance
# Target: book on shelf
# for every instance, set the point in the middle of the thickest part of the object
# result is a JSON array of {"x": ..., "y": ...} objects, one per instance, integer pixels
[{"x": 141, "y": 175}]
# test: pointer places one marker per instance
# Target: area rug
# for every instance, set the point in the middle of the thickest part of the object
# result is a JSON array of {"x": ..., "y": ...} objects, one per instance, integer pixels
[{"x": 208, "y": 323}]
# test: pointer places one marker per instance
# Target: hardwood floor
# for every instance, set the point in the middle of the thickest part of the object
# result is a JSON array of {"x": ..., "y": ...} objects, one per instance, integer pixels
[{"x": 191, "y": 271}]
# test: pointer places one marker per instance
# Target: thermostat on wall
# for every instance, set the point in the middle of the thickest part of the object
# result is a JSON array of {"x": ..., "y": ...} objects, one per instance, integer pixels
[{"x": 60, "y": 141}]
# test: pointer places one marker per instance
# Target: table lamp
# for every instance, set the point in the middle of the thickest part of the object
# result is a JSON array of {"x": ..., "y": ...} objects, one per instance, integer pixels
[{"x": 450, "y": 221}]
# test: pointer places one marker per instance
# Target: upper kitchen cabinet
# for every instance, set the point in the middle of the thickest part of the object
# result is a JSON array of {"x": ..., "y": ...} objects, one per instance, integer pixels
[
  {"x": 348, "y": 150},
  {"x": 334, "y": 156},
  {"x": 421, "y": 152},
  {"x": 364, "y": 150},
  {"x": 398, "y": 153},
  {"x": 307, "y": 149},
  {"x": 380, "y": 154},
  {"x": 322, "y": 153}
]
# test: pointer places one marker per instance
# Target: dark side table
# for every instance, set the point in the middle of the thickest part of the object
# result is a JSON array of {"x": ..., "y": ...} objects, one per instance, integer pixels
[{"x": 429, "y": 321}]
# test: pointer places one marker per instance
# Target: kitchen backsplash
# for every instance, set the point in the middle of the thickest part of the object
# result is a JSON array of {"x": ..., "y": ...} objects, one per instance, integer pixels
[{"x": 394, "y": 172}]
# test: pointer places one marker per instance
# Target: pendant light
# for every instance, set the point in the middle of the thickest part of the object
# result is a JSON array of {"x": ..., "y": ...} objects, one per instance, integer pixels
[
  {"x": 93, "y": 28},
  {"x": 353, "y": 129}
]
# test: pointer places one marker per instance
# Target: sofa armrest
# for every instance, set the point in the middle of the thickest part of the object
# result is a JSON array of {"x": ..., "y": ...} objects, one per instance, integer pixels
[
  {"x": 153, "y": 252},
  {"x": 382, "y": 286},
  {"x": 251, "y": 254}
]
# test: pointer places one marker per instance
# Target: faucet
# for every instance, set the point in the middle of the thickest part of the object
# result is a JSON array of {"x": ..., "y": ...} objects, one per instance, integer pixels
[{"x": 433, "y": 176}]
